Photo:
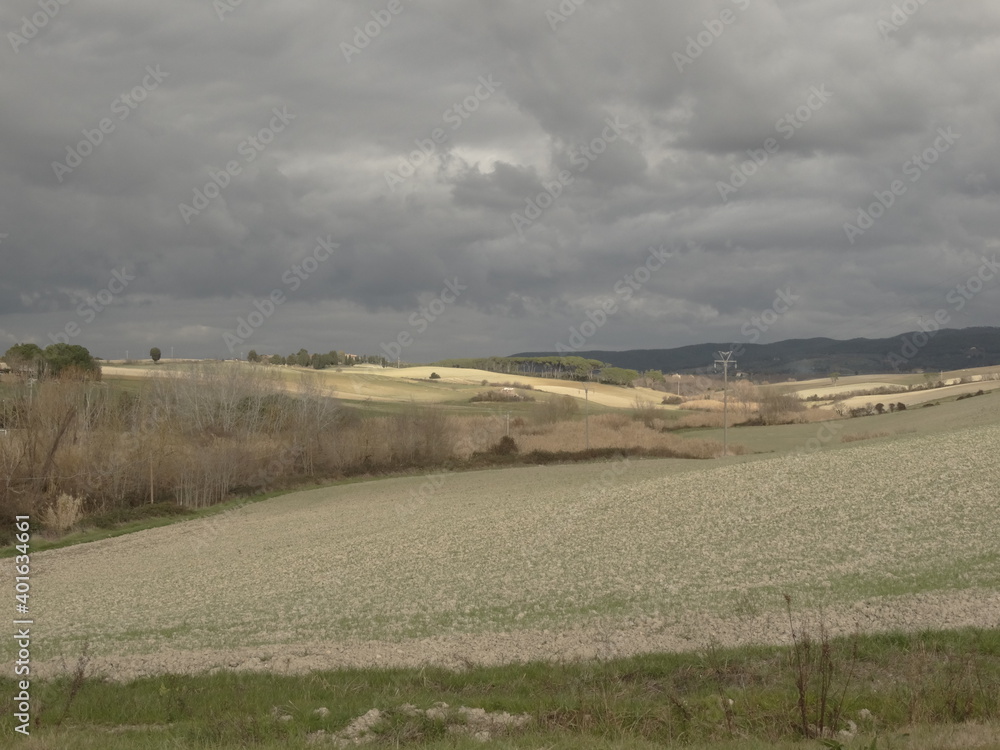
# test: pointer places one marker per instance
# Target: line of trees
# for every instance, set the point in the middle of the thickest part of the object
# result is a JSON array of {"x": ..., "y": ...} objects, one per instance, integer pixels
[
  {"x": 55, "y": 360},
  {"x": 618, "y": 376},
  {"x": 316, "y": 360},
  {"x": 564, "y": 368}
]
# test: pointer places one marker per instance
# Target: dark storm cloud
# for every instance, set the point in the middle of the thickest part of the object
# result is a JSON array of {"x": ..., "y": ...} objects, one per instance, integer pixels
[{"x": 748, "y": 134}]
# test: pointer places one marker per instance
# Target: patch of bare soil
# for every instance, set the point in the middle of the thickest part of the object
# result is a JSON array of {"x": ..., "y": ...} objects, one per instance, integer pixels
[
  {"x": 608, "y": 639},
  {"x": 477, "y": 723}
]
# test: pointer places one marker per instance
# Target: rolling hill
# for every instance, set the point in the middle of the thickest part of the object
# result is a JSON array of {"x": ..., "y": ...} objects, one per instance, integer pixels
[{"x": 948, "y": 349}]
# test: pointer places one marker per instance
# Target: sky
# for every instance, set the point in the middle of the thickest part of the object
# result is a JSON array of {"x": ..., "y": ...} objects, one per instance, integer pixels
[{"x": 482, "y": 177}]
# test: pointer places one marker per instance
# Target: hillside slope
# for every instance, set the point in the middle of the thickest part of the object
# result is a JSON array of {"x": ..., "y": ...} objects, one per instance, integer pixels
[
  {"x": 947, "y": 350},
  {"x": 556, "y": 562}
]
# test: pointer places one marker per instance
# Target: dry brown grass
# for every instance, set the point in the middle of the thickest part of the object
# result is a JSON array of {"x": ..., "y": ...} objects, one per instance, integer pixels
[
  {"x": 614, "y": 421},
  {"x": 63, "y": 514},
  {"x": 701, "y": 419},
  {"x": 702, "y": 404},
  {"x": 614, "y": 431},
  {"x": 747, "y": 405},
  {"x": 862, "y": 436},
  {"x": 611, "y": 430}
]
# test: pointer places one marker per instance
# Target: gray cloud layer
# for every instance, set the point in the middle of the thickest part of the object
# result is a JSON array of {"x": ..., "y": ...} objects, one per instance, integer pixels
[{"x": 749, "y": 133}]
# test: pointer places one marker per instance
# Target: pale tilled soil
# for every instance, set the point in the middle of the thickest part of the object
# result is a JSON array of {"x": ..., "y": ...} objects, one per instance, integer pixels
[
  {"x": 563, "y": 562},
  {"x": 621, "y": 638}
]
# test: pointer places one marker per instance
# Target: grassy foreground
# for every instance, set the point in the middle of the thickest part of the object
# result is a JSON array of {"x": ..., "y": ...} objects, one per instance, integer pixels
[{"x": 933, "y": 689}]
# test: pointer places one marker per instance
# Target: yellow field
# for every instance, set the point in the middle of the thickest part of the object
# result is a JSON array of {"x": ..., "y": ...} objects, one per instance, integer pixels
[
  {"x": 858, "y": 381},
  {"x": 922, "y": 397},
  {"x": 413, "y": 384},
  {"x": 830, "y": 391},
  {"x": 983, "y": 378}
]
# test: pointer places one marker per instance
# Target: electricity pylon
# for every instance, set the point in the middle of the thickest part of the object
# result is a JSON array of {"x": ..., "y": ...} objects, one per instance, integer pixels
[{"x": 725, "y": 361}]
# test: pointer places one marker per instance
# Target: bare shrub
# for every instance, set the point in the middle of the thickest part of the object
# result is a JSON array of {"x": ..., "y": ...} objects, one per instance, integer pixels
[
  {"x": 703, "y": 404},
  {"x": 744, "y": 398},
  {"x": 421, "y": 436},
  {"x": 862, "y": 411},
  {"x": 607, "y": 432},
  {"x": 612, "y": 421},
  {"x": 62, "y": 514},
  {"x": 477, "y": 434},
  {"x": 881, "y": 390},
  {"x": 862, "y": 436},
  {"x": 501, "y": 396},
  {"x": 538, "y": 429},
  {"x": 557, "y": 409},
  {"x": 778, "y": 408},
  {"x": 645, "y": 412},
  {"x": 696, "y": 420},
  {"x": 506, "y": 446}
]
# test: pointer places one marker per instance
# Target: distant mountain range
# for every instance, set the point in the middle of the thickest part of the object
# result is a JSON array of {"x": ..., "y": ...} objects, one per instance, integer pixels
[{"x": 947, "y": 349}]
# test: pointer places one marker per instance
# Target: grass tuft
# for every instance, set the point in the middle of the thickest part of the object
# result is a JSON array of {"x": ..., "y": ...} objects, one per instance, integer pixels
[{"x": 917, "y": 689}]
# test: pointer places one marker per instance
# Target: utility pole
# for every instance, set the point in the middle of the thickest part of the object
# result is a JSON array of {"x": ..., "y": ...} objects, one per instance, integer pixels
[
  {"x": 725, "y": 361},
  {"x": 586, "y": 413}
]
